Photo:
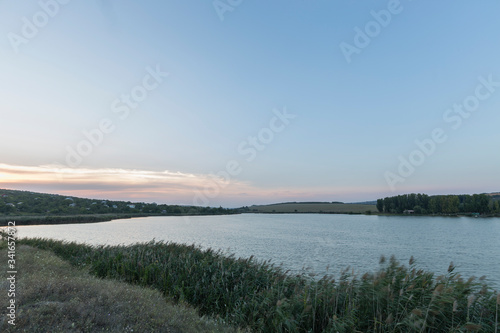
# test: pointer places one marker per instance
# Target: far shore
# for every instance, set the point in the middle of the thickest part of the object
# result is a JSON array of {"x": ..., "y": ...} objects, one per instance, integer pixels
[
  {"x": 23, "y": 220},
  {"x": 26, "y": 220}
]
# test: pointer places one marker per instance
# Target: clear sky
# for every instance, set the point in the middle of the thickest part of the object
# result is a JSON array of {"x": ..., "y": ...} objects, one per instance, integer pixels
[{"x": 238, "y": 102}]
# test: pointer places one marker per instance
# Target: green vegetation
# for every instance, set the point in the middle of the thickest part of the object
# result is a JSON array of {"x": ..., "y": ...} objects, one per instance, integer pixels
[
  {"x": 440, "y": 204},
  {"x": 313, "y": 207},
  {"x": 68, "y": 219},
  {"x": 39, "y": 208},
  {"x": 53, "y": 296},
  {"x": 261, "y": 297}
]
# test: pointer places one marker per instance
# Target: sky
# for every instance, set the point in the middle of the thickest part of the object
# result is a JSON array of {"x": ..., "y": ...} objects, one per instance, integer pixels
[{"x": 234, "y": 102}]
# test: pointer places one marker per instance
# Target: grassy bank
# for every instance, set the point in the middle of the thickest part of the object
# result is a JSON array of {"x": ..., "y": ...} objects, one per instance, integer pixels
[
  {"x": 305, "y": 207},
  {"x": 72, "y": 219},
  {"x": 263, "y": 298},
  {"x": 53, "y": 296},
  {"x": 64, "y": 219}
]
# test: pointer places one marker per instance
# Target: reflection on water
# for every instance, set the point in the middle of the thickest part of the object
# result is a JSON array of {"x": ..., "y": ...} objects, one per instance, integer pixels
[{"x": 312, "y": 241}]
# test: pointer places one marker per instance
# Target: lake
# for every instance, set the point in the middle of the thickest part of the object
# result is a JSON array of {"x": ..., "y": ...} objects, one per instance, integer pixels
[{"x": 318, "y": 242}]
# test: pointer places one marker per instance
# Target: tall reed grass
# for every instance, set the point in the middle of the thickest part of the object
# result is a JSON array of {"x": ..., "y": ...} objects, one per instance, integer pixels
[{"x": 264, "y": 298}]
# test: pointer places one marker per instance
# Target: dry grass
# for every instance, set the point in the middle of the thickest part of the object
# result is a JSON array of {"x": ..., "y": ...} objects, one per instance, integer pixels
[{"x": 53, "y": 296}]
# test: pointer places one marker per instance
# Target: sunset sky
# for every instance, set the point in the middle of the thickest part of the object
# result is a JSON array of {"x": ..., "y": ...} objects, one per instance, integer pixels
[{"x": 247, "y": 102}]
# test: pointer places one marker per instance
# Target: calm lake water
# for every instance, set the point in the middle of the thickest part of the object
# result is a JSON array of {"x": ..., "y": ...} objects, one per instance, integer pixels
[{"x": 313, "y": 241}]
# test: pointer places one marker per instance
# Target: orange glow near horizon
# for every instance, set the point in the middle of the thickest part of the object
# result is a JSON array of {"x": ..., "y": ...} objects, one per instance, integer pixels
[{"x": 158, "y": 186}]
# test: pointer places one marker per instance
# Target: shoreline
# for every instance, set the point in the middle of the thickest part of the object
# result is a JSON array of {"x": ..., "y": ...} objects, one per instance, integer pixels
[
  {"x": 27, "y": 220},
  {"x": 33, "y": 220},
  {"x": 378, "y": 214}
]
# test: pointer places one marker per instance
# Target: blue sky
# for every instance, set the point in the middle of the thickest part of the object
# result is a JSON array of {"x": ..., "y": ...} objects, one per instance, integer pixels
[{"x": 65, "y": 67}]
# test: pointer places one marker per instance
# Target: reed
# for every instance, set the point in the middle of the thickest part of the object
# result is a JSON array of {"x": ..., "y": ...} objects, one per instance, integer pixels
[{"x": 264, "y": 298}]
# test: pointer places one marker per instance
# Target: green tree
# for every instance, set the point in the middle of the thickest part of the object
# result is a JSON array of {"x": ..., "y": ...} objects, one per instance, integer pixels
[{"x": 434, "y": 205}]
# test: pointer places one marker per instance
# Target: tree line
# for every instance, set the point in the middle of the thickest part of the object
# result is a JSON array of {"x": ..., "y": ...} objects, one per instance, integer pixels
[
  {"x": 439, "y": 204},
  {"x": 20, "y": 203}
]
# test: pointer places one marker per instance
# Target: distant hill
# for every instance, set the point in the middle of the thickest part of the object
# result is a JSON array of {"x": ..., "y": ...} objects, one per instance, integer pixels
[
  {"x": 306, "y": 203},
  {"x": 374, "y": 202},
  {"x": 26, "y": 203},
  {"x": 313, "y": 207},
  {"x": 495, "y": 196}
]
